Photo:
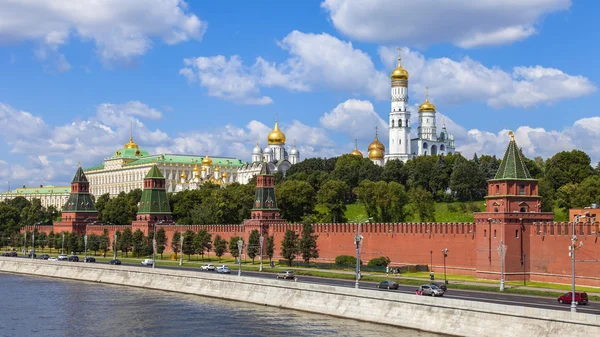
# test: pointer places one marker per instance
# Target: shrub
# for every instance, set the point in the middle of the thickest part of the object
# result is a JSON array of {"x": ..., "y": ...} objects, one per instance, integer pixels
[
  {"x": 473, "y": 207},
  {"x": 381, "y": 261},
  {"x": 463, "y": 207},
  {"x": 346, "y": 260},
  {"x": 452, "y": 208}
]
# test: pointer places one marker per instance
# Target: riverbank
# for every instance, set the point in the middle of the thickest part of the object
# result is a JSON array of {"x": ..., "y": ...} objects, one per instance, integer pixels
[{"x": 447, "y": 316}]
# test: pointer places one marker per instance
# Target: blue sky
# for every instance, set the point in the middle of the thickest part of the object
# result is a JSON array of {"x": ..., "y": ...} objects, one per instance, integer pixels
[{"x": 212, "y": 76}]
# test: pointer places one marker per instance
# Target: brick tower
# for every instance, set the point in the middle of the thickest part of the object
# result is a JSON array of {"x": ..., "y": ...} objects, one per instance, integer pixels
[
  {"x": 153, "y": 207},
  {"x": 265, "y": 211},
  {"x": 79, "y": 211},
  {"x": 512, "y": 206}
]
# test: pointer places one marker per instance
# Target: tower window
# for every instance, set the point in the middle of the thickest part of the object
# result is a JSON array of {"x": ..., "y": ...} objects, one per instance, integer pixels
[
  {"x": 521, "y": 189},
  {"x": 517, "y": 233},
  {"x": 497, "y": 188},
  {"x": 400, "y": 141},
  {"x": 392, "y": 123},
  {"x": 399, "y": 123}
]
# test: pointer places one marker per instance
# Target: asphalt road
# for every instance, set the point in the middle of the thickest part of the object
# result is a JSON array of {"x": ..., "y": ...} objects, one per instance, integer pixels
[{"x": 498, "y": 298}]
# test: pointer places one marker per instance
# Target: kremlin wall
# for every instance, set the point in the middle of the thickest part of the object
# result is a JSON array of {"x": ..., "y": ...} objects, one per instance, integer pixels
[{"x": 536, "y": 248}]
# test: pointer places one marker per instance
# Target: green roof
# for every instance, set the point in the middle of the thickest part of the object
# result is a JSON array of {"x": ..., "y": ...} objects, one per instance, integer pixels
[
  {"x": 80, "y": 202},
  {"x": 154, "y": 173},
  {"x": 79, "y": 176},
  {"x": 48, "y": 189},
  {"x": 176, "y": 159},
  {"x": 154, "y": 201},
  {"x": 130, "y": 152},
  {"x": 512, "y": 166}
]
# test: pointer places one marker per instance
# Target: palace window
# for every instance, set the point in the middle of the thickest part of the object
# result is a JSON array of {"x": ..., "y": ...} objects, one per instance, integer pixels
[
  {"x": 392, "y": 123},
  {"x": 400, "y": 123}
]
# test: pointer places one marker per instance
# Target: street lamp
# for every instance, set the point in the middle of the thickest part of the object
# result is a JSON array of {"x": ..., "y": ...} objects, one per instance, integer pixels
[
  {"x": 261, "y": 240},
  {"x": 62, "y": 249},
  {"x": 358, "y": 240},
  {"x": 115, "y": 245},
  {"x": 33, "y": 240},
  {"x": 181, "y": 250},
  {"x": 524, "y": 279},
  {"x": 502, "y": 252},
  {"x": 240, "y": 246},
  {"x": 572, "y": 249},
  {"x": 445, "y": 252},
  {"x": 154, "y": 245},
  {"x": 85, "y": 240},
  {"x": 431, "y": 260}
]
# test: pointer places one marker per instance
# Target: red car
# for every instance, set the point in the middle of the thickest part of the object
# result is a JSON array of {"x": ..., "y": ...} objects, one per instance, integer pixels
[{"x": 580, "y": 298}]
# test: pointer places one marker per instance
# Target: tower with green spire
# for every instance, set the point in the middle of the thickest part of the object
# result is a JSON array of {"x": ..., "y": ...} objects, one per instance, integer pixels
[
  {"x": 512, "y": 206},
  {"x": 79, "y": 210},
  {"x": 153, "y": 207},
  {"x": 265, "y": 204}
]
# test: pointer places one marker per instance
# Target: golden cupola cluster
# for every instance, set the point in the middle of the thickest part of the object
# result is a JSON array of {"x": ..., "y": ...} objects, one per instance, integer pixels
[
  {"x": 276, "y": 137},
  {"x": 427, "y": 106},
  {"x": 356, "y": 151},
  {"x": 399, "y": 74},
  {"x": 376, "y": 148},
  {"x": 207, "y": 161}
]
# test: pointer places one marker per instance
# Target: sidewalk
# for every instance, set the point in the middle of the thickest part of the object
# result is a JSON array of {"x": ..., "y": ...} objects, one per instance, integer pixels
[{"x": 426, "y": 280}]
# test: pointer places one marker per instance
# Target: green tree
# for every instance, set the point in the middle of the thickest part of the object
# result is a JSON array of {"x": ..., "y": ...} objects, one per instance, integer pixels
[
  {"x": 126, "y": 241},
  {"x": 104, "y": 242},
  {"x": 289, "y": 246},
  {"x": 270, "y": 248},
  {"x": 253, "y": 248},
  {"x": 94, "y": 243},
  {"x": 137, "y": 242},
  {"x": 295, "y": 198},
  {"x": 233, "y": 246},
  {"x": 9, "y": 219},
  {"x": 120, "y": 210},
  {"x": 383, "y": 201},
  {"x": 100, "y": 204},
  {"x": 547, "y": 194},
  {"x": 467, "y": 181},
  {"x": 308, "y": 243},
  {"x": 331, "y": 201},
  {"x": 202, "y": 241},
  {"x": 587, "y": 192},
  {"x": 188, "y": 243},
  {"x": 394, "y": 170},
  {"x": 41, "y": 240},
  {"x": 220, "y": 246},
  {"x": 422, "y": 204},
  {"x": 567, "y": 167},
  {"x": 175, "y": 242},
  {"x": 565, "y": 196},
  {"x": 161, "y": 241}
]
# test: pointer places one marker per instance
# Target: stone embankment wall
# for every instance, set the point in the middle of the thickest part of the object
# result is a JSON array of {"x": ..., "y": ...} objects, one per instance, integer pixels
[{"x": 439, "y": 315}]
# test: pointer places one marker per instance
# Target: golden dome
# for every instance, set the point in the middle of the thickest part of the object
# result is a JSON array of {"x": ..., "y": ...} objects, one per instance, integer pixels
[
  {"x": 217, "y": 169},
  {"x": 399, "y": 73},
  {"x": 356, "y": 152},
  {"x": 224, "y": 174},
  {"x": 276, "y": 137},
  {"x": 183, "y": 175},
  {"x": 206, "y": 160},
  {"x": 204, "y": 169},
  {"x": 131, "y": 144},
  {"x": 196, "y": 169},
  {"x": 375, "y": 154},
  {"x": 427, "y": 106},
  {"x": 376, "y": 144}
]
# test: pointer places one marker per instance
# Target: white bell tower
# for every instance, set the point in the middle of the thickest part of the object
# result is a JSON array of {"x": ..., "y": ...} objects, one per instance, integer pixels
[{"x": 399, "y": 118}]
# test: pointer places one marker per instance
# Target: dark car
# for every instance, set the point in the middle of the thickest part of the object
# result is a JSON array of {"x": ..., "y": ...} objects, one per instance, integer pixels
[
  {"x": 74, "y": 258},
  {"x": 440, "y": 285},
  {"x": 29, "y": 255},
  {"x": 44, "y": 256},
  {"x": 115, "y": 262},
  {"x": 12, "y": 254},
  {"x": 90, "y": 259},
  {"x": 387, "y": 285},
  {"x": 580, "y": 298}
]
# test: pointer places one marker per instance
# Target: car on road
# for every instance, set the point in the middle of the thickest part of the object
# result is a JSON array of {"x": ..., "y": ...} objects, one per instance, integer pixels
[
  {"x": 12, "y": 254},
  {"x": 63, "y": 257},
  {"x": 580, "y": 298},
  {"x": 288, "y": 274},
  {"x": 431, "y": 290},
  {"x": 29, "y": 255},
  {"x": 74, "y": 258},
  {"x": 147, "y": 262},
  {"x": 52, "y": 259},
  {"x": 223, "y": 269},
  {"x": 90, "y": 259},
  {"x": 115, "y": 262},
  {"x": 208, "y": 267},
  {"x": 44, "y": 256},
  {"x": 440, "y": 285},
  {"x": 387, "y": 285}
]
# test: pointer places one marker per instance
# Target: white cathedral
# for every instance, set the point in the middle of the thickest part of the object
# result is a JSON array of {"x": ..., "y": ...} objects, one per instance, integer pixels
[{"x": 401, "y": 146}]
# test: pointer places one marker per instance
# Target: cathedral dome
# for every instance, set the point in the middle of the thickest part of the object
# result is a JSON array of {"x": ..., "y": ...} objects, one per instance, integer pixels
[
  {"x": 375, "y": 154},
  {"x": 196, "y": 169},
  {"x": 356, "y": 152},
  {"x": 268, "y": 150},
  {"x": 294, "y": 151},
  {"x": 276, "y": 137},
  {"x": 207, "y": 160},
  {"x": 376, "y": 144},
  {"x": 257, "y": 149},
  {"x": 399, "y": 73},
  {"x": 131, "y": 144},
  {"x": 427, "y": 106},
  {"x": 183, "y": 175}
]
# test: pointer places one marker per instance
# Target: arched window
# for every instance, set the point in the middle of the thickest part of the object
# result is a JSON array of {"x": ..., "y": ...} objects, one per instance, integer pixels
[
  {"x": 400, "y": 141},
  {"x": 392, "y": 123},
  {"x": 399, "y": 123},
  {"x": 496, "y": 209},
  {"x": 523, "y": 210}
]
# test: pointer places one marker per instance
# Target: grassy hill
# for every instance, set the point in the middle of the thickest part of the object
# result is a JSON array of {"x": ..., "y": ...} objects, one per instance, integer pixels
[{"x": 444, "y": 212}]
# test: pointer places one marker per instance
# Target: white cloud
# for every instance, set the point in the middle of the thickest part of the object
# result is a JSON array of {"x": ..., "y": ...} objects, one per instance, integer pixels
[
  {"x": 316, "y": 61},
  {"x": 467, "y": 80},
  {"x": 121, "y": 30},
  {"x": 423, "y": 22},
  {"x": 355, "y": 118}
]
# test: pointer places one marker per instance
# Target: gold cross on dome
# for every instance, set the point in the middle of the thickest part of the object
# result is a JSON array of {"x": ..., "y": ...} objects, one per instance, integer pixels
[
  {"x": 79, "y": 164},
  {"x": 399, "y": 50}
]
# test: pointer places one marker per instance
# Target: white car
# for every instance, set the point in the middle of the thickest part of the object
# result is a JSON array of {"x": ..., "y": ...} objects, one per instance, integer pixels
[
  {"x": 223, "y": 269},
  {"x": 52, "y": 259},
  {"x": 63, "y": 257},
  {"x": 208, "y": 266},
  {"x": 147, "y": 262}
]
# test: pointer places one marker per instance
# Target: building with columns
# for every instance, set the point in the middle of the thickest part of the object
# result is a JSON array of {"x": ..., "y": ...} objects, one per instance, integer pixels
[
  {"x": 49, "y": 195},
  {"x": 428, "y": 141}
]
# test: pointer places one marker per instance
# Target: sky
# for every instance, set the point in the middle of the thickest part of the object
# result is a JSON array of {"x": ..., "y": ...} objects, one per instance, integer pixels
[{"x": 214, "y": 76}]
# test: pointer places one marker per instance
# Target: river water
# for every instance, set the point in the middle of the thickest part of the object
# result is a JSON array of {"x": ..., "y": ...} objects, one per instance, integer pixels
[{"x": 50, "y": 307}]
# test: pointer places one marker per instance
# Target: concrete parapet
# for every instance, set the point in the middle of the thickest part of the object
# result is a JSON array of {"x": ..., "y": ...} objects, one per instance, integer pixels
[{"x": 439, "y": 315}]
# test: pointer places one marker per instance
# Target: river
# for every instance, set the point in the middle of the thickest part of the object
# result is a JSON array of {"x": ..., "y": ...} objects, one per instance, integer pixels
[{"x": 51, "y": 307}]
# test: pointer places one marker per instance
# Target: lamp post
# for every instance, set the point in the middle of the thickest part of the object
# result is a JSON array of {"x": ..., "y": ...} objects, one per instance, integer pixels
[
  {"x": 445, "y": 252},
  {"x": 181, "y": 250},
  {"x": 261, "y": 240},
  {"x": 25, "y": 242},
  {"x": 524, "y": 279},
  {"x": 240, "y": 246},
  {"x": 62, "y": 249},
  {"x": 572, "y": 249},
  {"x": 115, "y": 245},
  {"x": 33, "y": 240},
  {"x": 431, "y": 260},
  {"x": 154, "y": 244},
  {"x": 502, "y": 252},
  {"x": 358, "y": 240}
]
